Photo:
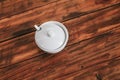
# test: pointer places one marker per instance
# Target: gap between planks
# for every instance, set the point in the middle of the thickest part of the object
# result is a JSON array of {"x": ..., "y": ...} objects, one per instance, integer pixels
[
  {"x": 66, "y": 19},
  {"x": 73, "y": 38},
  {"x": 69, "y": 61},
  {"x": 23, "y": 3}
]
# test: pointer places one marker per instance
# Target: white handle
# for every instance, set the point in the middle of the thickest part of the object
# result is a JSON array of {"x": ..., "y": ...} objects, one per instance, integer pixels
[{"x": 36, "y": 27}]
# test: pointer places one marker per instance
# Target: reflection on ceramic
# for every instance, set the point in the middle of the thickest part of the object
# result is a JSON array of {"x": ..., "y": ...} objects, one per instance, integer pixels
[{"x": 51, "y": 36}]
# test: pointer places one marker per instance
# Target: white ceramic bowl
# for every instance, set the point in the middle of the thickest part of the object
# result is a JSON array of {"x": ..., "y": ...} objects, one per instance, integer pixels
[{"x": 51, "y": 36}]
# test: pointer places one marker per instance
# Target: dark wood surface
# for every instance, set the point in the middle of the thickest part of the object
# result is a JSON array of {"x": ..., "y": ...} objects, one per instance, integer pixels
[{"x": 93, "y": 50}]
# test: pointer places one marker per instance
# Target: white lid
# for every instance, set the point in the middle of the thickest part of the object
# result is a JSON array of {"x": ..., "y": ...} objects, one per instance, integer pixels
[{"x": 51, "y": 36}]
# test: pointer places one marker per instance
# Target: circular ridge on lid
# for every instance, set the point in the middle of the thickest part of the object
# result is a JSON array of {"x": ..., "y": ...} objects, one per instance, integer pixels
[{"x": 52, "y": 37}]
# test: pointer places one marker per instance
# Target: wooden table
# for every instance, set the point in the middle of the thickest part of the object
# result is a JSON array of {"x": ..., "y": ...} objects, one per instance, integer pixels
[{"x": 93, "y": 50}]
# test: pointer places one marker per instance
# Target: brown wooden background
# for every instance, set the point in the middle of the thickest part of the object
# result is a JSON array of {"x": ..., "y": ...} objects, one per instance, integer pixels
[{"x": 93, "y": 50}]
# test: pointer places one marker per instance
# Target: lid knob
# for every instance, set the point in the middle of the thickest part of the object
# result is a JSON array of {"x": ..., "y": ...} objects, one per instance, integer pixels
[{"x": 50, "y": 34}]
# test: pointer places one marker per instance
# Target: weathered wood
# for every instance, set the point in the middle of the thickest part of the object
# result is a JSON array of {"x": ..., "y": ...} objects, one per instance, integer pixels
[
  {"x": 9, "y": 8},
  {"x": 62, "y": 10},
  {"x": 93, "y": 50},
  {"x": 97, "y": 58},
  {"x": 93, "y": 24},
  {"x": 88, "y": 26}
]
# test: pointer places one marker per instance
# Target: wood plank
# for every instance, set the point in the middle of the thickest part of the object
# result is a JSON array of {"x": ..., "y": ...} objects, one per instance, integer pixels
[
  {"x": 88, "y": 26},
  {"x": 93, "y": 59},
  {"x": 63, "y": 10},
  {"x": 93, "y": 24},
  {"x": 9, "y": 8}
]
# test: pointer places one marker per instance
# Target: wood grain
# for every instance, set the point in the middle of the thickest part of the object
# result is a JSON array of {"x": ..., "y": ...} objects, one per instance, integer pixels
[
  {"x": 97, "y": 58},
  {"x": 81, "y": 28},
  {"x": 93, "y": 50},
  {"x": 61, "y": 11},
  {"x": 9, "y": 8}
]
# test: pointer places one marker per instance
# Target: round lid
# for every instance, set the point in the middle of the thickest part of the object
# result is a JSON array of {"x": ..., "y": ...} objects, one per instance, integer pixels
[{"x": 51, "y": 36}]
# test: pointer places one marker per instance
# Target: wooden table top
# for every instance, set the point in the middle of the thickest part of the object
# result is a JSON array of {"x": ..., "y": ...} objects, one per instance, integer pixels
[{"x": 92, "y": 52}]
